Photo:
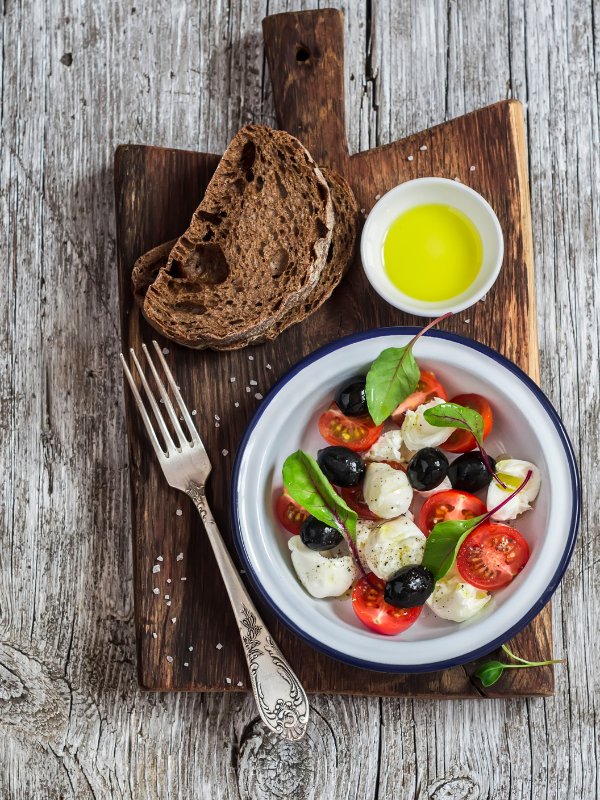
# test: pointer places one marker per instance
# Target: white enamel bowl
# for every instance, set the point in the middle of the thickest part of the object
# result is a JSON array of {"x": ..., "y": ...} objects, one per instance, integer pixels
[{"x": 525, "y": 426}]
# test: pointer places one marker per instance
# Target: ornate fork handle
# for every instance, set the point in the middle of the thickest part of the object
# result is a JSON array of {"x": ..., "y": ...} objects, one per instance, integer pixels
[{"x": 281, "y": 700}]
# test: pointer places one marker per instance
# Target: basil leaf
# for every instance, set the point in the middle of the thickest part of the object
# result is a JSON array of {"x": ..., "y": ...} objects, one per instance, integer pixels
[
  {"x": 305, "y": 482},
  {"x": 452, "y": 415},
  {"x": 393, "y": 376},
  {"x": 443, "y": 543},
  {"x": 490, "y": 672}
]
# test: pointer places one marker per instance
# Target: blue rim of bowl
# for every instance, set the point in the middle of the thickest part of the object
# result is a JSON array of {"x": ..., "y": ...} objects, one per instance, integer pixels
[{"x": 575, "y": 490}]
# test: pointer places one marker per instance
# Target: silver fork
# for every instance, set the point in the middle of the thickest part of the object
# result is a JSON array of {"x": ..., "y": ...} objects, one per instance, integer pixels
[{"x": 281, "y": 700}]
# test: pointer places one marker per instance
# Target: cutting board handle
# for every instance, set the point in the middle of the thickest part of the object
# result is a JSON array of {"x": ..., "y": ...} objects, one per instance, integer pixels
[{"x": 305, "y": 52}]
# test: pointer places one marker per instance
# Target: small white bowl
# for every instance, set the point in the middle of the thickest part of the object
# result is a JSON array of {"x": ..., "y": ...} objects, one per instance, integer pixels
[{"x": 421, "y": 192}]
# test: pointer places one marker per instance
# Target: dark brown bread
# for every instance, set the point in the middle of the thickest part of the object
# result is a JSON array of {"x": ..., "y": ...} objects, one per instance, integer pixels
[
  {"x": 339, "y": 257},
  {"x": 254, "y": 250}
]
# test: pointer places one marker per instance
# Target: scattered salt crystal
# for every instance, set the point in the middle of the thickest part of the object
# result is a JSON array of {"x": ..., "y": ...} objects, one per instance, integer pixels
[
  {"x": 247, "y": 388},
  {"x": 409, "y": 158},
  {"x": 156, "y": 590},
  {"x": 194, "y": 412},
  {"x": 472, "y": 168},
  {"x": 253, "y": 383},
  {"x": 169, "y": 580},
  {"x": 228, "y": 680},
  {"x": 159, "y": 558},
  {"x": 224, "y": 452},
  {"x": 179, "y": 512},
  {"x": 170, "y": 659},
  {"x": 458, "y": 180},
  {"x": 155, "y": 635},
  {"x": 190, "y": 648},
  {"x": 232, "y": 379},
  {"x": 185, "y": 664},
  {"x": 250, "y": 358},
  {"x": 179, "y": 556},
  {"x": 167, "y": 597},
  {"x": 217, "y": 417},
  {"x": 184, "y": 579},
  {"x": 219, "y": 646},
  {"x": 173, "y": 620},
  {"x": 168, "y": 603},
  {"x": 362, "y": 211},
  {"x": 423, "y": 147},
  {"x": 236, "y": 404},
  {"x": 161, "y": 400},
  {"x": 156, "y": 568},
  {"x": 377, "y": 196},
  {"x": 217, "y": 424},
  {"x": 269, "y": 366},
  {"x": 166, "y": 351},
  {"x": 468, "y": 320},
  {"x": 239, "y": 683},
  {"x": 258, "y": 396}
]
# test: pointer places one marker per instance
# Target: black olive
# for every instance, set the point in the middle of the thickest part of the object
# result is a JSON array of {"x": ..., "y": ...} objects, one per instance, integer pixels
[
  {"x": 352, "y": 399},
  {"x": 468, "y": 473},
  {"x": 318, "y": 536},
  {"x": 427, "y": 469},
  {"x": 409, "y": 587},
  {"x": 341, "y": 465}
]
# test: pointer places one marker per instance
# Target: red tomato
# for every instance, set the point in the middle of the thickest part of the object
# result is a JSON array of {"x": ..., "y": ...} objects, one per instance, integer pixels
[
  {"x": 289, "y": 513},
  {"x": 354, "y": 498},
  {"x": 463, "y": 441},
  {"x": 375, "y": 613},
  {"x": 356, "y": 433},
  {"x": 449, "y": 504},
  {"x": 492, "y": 555},
  {"x": 428, "y": 387}
]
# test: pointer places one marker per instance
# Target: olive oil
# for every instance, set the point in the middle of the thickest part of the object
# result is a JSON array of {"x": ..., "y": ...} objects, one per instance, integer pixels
[{"x": 432, "y": 252}]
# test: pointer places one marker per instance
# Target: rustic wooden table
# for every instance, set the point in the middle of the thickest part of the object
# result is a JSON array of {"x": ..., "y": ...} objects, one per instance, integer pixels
[{"x": 80, "y": 77}]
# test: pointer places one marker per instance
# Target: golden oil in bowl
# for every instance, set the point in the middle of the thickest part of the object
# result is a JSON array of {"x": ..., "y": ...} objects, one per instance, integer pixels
[{"x": 432, "y": 252}]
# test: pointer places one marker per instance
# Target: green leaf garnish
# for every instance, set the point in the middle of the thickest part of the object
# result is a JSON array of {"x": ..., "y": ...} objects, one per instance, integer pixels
[
  {"x": 305, "y": 482},
  {"x": 492, "y": 671},
  {"x": 445, "y": 539},
  {"x": 453, "y": 415},
  {"x": 393, "y": 376}
]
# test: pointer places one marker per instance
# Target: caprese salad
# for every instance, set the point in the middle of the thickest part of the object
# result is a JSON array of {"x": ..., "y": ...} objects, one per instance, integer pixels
[{"x": 404, "y": 506}]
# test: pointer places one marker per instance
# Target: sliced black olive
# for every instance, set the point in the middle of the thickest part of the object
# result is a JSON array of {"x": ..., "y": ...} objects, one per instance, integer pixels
[
  {"x": 341, "y": 465},
  {"x": 352, "y": 399},
  {"x": 318, "y": 536},
  {"x": 409, "y": 587},
  {"x": 468, "y": 472},
  {"x": 427, "y": 469}
]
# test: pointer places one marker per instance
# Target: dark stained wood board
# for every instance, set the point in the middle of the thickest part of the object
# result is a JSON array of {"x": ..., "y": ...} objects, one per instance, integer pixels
[{"x": 156, "y": 192}]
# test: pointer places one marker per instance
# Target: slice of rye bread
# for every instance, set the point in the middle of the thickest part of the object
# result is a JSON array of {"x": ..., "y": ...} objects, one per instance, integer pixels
[
  {"x": 255, "y": 248},
  {"x": 339, "y": 257}
]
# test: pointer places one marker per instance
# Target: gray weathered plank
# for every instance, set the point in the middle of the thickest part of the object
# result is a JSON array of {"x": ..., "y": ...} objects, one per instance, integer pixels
[{"x": 72, "y": 721}]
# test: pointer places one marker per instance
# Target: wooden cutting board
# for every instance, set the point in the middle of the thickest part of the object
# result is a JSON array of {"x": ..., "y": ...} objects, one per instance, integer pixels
[{"x": 186, "y": 636}]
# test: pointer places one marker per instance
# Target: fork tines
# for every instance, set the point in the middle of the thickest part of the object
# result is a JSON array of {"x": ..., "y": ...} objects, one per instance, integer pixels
[{"x": 183, "y": 440}]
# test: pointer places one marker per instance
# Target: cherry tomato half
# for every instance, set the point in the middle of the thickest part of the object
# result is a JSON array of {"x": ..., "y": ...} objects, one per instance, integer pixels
[
  {"x": 463, "y": 441},
  {"x": 375, "y": 613},
  {"x": 449, "y": 504},
  {"x": 428, "y": 387},
  {"x": 289, "y": 513},
  {"x": 492, "y": 555},
  {"x": 356, "y": 433}
]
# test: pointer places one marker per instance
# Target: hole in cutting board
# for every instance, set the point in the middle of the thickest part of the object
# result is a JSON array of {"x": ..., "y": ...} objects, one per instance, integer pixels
[{"x": 302, "y": 53}]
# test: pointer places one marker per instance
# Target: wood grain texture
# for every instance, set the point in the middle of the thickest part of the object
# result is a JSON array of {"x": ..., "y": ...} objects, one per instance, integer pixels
[
  {"x": 306, "y": 55},
  {"x": 73, "y": 723}
]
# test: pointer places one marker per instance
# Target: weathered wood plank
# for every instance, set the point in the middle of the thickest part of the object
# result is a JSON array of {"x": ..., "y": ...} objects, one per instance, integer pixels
[{"x": 84, "y": 729}]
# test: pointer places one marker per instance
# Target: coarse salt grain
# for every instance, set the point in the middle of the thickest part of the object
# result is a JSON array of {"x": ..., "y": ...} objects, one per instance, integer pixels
[
  {"x": 156, "y": 568},
  {"x": 472, "y": 168},
  {"x": 258, "y": 396},
  {"x": 169, "y": 580},
  {"x": 190, "y": 648},
  {"x": 224, "y": 452},
  {"x": 217, "y": 417},
  {"x": 159, "y": 558},
  {"x": 155, "y": 635},
  {"x": 232, "y": 379},
  {"x": 228, "y": 680},
  {"x": 184, "y": 579},
  {"x": 168, "y": 603},
  {"x": 170, "y": 659},
  {"x": 247, "y": 388},
  {"x": 185, "y": 664},
  {"x": 250, "y": 358},
  {"x": 269, "y": 366},
  {"x": 410, "y": 158},
  {"x": 217, "y": 424},
  {"x": 458, "y": 180},
  {"x": 179, "y": 512},
  {"x": 179, "y": 556},
  {"x": 253, "y": 383},
  {"x": 362, "y": 211},
  {"x": 239, "y": 683},
  {"x": 219, "y": 646},
  {"x": 377, "y": 196},
  {"x": 236, "y": 404},
  {"x": 167, "y": 597},
  {"x": 166, "y": 351},
  {"x": 156, "y": 590},
  {"x": 468, "y": 320},
  {"x": 194, "y": 412},
  {"x": 173, "y": 620},
  {"x": 423, "y": 147}
]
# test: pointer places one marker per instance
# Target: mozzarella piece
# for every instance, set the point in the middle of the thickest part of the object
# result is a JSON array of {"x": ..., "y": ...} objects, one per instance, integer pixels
[
  {"x": 442, "y": 487},
  {"x": 326, "y": 573},
  {"x": 418, "y": 433},
  {"x": 455, "y": 599},
  {"x": 387, "y": 448},
  {"x": 386, "y": 490},
  {"x": 522, "y": 502},
  {"x": 386, "y": 547}
]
